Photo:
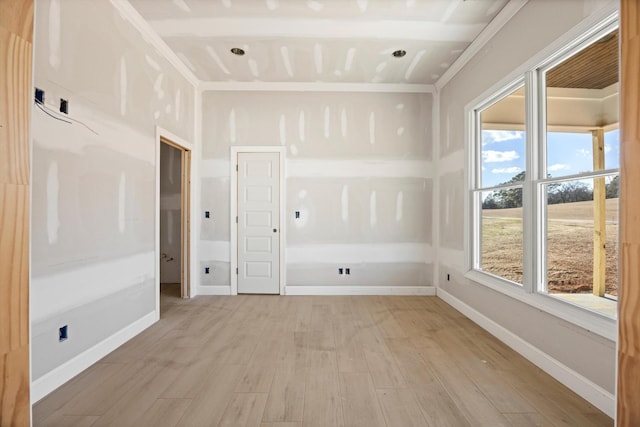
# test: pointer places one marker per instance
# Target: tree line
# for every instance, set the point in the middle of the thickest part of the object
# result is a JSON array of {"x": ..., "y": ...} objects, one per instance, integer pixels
[{"x": 566, "y": 192}]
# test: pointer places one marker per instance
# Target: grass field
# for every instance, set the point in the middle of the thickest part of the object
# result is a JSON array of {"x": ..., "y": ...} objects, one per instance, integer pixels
[{"x": 569, "y": 243}]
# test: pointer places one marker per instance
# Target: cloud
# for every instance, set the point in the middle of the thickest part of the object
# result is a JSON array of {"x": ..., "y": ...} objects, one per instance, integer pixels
[
  {"x": 513, "y": 169},
  {"x": 584, "y": 152},
  {"x": 607, "y": 148},
  {"x": 491, "y": 156},
  {"x": 491, "y": 136},
  {"x": 558, "y": 167}
]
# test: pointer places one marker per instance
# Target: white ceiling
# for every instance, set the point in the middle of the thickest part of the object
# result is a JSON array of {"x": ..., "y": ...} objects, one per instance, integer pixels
[{"x": 348, "y": 41}]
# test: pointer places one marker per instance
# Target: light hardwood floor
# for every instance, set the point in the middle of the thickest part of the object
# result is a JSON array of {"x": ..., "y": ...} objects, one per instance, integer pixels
[{"x": 293, "y": 361}]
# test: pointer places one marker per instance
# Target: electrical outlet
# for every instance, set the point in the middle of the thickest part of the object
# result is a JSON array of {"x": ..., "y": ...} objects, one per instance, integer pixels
[
  {"x": 347, "y": 270},
  {"x": 207, "y": 214},
  {"x": 297, "y": 214},
  {"x": 64, "y": 106},
  {"x": 341, "y": 271},
  {"x": 206, "y": 270},
  {"x": 39, "y": 96},
  {"x": 63, "y": 333},
  {"x": 448, "y": 277}
]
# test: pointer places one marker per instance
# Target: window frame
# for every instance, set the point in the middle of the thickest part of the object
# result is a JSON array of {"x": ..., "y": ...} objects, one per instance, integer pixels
[{"x": 532, "y": 74}]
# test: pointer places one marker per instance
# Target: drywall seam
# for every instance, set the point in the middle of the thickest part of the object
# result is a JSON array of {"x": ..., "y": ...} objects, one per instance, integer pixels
[
  {"x": 315, "y": 87},
  {"x": 584, "y": 387},
  {"x": 356, "y": 253},
  {"x": 504, "y": 16},
  {"x": 137, "y": 21},
  {"x": 271, "y": 27},
  {"x": 360, "y": 168},
  {"x": 63, "y": 373},
  {"x": 360, "y": 290}
]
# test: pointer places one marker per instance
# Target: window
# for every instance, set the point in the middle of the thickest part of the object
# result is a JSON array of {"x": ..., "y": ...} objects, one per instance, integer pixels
[
  {"x": 544, "y": 177},
  {"x": 498, "y": 194}
]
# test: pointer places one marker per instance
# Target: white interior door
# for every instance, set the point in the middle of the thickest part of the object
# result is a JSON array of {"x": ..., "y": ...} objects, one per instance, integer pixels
[{"x": 258, "y": 223}]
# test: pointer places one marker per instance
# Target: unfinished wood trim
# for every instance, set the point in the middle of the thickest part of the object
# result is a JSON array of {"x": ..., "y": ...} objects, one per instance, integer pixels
[
  {"x": 628, "y": 410},
  {"x": 599, "y": 215},
  {"x": 16, "y": 35},
  {"x": 185, "y": 216}
]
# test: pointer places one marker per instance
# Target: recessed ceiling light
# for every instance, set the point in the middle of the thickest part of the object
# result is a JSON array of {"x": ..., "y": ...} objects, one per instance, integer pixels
[
  {"x": 399, "y": 53},
  {"x": 237, "y": 51}
]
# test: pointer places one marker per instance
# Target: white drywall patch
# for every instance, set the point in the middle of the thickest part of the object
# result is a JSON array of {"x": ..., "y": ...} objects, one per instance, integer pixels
[
  {"x": 54, "y": 33},
  {"x": 122, "y": 199},
  {"x": 372, "y": 127},
  {"x": 327, "y": 122},
  {"x": 253, "y": 67},
  {"x": 153, "y": 64},
  {"x": 284, "y": 51},
  {"x": 414, "y": 63},
  {"x": 399, "y": 202},
  {"x": 373, "y": 209},
  {"x": 314, "y": 5},
  {"x": 157, "y": 86},
  {"x": 343, "y": 122},
  {"x": 283, "y": 130},
  {"x": 182, "y": 5},
  {"x": 123, "y": 86},
  {"x": 345, "y": 203},
  {"x": 348, "y": 61},
  {"x": 169, "y": 231},
  {"x": 362, "y": 5},
  {"x": 212, "y": 53},
  {"x": 301, "y": 125},
  {"x": 53, "y": 216}
]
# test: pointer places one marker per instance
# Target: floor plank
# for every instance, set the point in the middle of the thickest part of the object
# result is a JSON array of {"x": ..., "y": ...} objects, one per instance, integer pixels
[{"x": 313, "y": 361}]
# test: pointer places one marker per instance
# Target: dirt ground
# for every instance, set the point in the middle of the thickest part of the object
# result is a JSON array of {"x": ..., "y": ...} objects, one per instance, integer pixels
[{"x": 569, "y": 242}]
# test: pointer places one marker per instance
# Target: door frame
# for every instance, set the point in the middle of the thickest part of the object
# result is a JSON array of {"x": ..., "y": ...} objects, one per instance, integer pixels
[
  {"x": 233, "y": 204},
  {"x": 187, "y": 212}
]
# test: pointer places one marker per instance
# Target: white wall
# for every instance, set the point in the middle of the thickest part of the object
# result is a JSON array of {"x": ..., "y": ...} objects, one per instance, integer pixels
[
  {"x": 588, "y": 354},
  {"x": 92, "y": 244},
  {"x": 358, "y": 169},
  {"x": 170, "y": 213}
]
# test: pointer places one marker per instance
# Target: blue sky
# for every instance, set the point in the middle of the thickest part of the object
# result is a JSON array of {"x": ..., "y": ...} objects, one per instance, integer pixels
[{"x": 503, "y": 154}]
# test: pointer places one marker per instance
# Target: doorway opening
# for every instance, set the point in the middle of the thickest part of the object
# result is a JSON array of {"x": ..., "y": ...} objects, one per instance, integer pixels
[{"x": 174, "y": 220}]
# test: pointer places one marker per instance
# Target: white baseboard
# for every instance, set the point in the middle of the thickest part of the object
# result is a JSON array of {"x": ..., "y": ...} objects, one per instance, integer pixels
[
  {"x": 582, "y": 386},
  {"x": 360, "y": 290},
  {"x": 63, "y": 373},
  {"x": 213, "y": 290}
]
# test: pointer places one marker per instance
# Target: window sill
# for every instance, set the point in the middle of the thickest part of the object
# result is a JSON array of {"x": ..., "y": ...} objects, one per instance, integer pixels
[{"x": 592, "y": 321}]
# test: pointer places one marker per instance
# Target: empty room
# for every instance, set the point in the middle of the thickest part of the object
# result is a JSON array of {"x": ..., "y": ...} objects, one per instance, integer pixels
[{"x": 288, "y": 213}]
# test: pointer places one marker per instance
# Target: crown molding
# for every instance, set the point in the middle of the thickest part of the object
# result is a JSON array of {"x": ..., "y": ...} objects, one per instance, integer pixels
[
  {"x": 504, "y": 16},
  {"x": 315, "y": 87},
  {"x": 148, "y": 33}
]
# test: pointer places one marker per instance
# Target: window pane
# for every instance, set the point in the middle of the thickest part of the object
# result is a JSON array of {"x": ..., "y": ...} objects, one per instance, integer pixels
[
  {"x": 612, "y": 149},
  {"x": 572, "y": 235},
  {"x": 501, "y": 234},
  {"x": 503, "y": 140},
  {"x": 581, "y": 100}
]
